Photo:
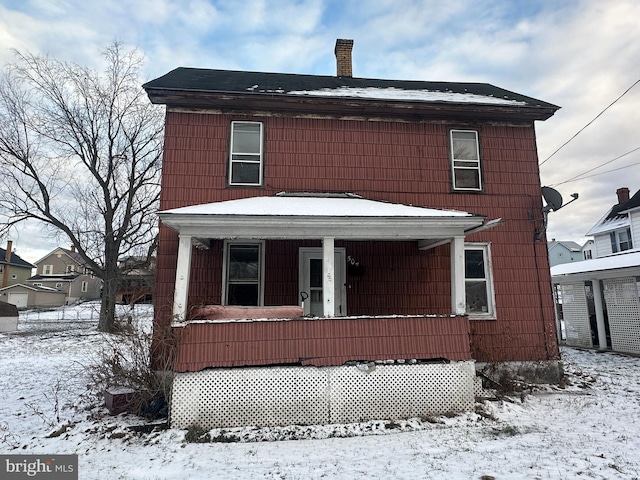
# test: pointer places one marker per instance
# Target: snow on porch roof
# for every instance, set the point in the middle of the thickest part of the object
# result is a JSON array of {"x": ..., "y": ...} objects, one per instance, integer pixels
[
  {"x": 304, "y": 215},
  {"x": 620, "y": 264},
  {"x": 311, "y": 205}
]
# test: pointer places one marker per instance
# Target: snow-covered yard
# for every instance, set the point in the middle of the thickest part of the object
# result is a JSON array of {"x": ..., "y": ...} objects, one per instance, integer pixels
[{"x": 589, "y": 429}]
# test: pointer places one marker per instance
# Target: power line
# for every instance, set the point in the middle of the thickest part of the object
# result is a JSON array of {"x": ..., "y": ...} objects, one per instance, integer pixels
[
  {"x": 595, "y": 118},
  {"x": 597, "y": 174},
  {"x": 576, "y": 177}
]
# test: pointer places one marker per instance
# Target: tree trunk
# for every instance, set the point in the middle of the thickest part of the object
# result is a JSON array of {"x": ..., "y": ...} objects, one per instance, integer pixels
[
  {"x": 108, "y": 307},
  {"x": 109, "y": 290}
]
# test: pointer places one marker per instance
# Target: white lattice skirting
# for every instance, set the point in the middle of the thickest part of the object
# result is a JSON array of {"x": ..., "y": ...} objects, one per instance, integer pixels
[{"x": 271, "y": 396}]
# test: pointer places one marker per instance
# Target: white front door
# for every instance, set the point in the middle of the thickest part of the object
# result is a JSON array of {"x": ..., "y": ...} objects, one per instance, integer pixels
[{"x": 310, "y": 283}]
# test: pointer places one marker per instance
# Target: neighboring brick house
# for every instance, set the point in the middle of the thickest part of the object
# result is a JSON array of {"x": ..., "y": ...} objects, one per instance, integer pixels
[
  {"x": 600, "y": 297},
  {"x": 371, "y": 207},
  {"x": 65, "y": 271},
  {"x": 13, "y": 269}
]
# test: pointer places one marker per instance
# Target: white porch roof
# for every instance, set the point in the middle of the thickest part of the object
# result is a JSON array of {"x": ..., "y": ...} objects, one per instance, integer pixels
[
  {"x": 324, "y": 217},
  {"x": 309, "y": 216},
  {"x": 624, "y": 264}
]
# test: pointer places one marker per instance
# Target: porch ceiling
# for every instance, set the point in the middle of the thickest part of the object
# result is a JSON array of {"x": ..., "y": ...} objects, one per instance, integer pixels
[{"x": 304, "y": 216}]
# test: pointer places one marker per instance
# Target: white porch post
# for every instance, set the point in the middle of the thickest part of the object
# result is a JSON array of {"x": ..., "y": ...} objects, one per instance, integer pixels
[
  {"x": 183, "y": 272},
  {"x": 597, "y": 300},
  {"x": 458, "y": 299},
  {"x": 328, "y": 276}
]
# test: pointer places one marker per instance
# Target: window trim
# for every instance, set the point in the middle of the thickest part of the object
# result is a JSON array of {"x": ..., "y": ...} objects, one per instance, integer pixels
[
  {"x": 84, "y": 286},
  {"x": 614, "y": 236},
  {"x": 44, "y": 270},
  {"x": 485, "y": 247},
  {"x": 453, "y": 160},
  {"x": 225, "y": 268},
  {"x": 232, "y": 153}
]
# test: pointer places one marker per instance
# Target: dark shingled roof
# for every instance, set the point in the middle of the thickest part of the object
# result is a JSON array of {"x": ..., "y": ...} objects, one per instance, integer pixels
[
  {"x": 633, "y": 202},
  {"x": 260, "y": 84},
  {"x": 15, "y": 260},
  {"x": 8, "y": 310}
]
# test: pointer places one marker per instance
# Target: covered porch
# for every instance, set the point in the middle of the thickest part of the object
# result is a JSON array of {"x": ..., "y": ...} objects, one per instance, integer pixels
[
  {"x": 329, "y": 336},
  {"x": 600, "y": 302}
]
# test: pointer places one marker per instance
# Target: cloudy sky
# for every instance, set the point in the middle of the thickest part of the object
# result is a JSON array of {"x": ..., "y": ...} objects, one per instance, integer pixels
[{"x": 579, "y": 54}]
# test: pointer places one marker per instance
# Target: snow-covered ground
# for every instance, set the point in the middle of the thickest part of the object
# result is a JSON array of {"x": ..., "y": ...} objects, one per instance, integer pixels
[{"x": 589, "y": 429}]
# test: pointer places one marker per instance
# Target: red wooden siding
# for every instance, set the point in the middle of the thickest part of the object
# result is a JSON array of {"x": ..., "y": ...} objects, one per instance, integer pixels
[
  {"x": 320, "y": 342},
  {"x": 381, "y": 160}
]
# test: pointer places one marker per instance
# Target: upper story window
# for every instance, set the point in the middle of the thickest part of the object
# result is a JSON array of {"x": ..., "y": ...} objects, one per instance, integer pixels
[
  {"x": 478, "y": 280},
  {"x": 47, "y": 270},
  {"x": 621, "y": 240},
  {"x": 587, "y": 254},
  {"x": 245, "y": 158},
  {"x": 465, "y": 160},
  {"x": 70, "y": 269}
]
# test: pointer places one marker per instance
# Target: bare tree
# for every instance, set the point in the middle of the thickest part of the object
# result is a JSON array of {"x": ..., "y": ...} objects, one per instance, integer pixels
[{"x": 80, "y": 152}]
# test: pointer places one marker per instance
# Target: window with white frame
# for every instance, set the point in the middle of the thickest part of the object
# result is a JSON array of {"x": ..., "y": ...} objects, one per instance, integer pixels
[
  {"x": 243, "y": 274},
  {"x": 478, "y": 280},
  {"x": 47, "y": 269},
  {"x": 84, "y": 287},
  {"x": 465, "y": 160},
  {"x": 71, "y": 268},
  {"x": 245, "y": 158},
  {"x": 621, "y": 240}
]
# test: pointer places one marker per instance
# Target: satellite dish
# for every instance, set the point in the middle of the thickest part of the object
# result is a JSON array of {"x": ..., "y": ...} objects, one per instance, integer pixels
[{"x": 553, "y": 199}]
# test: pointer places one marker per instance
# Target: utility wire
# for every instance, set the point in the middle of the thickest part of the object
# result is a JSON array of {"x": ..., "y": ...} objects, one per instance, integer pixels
[
  {"x": 576, "y": 177},
  {"x": 595, "y": 118},
  {"x": 597, "y": 174}
]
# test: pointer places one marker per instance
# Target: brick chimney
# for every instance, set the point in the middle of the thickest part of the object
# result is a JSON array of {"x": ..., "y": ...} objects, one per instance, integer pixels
[
  {"x": 623, "y": 195},
  {"x": 7, "y": 257},
  {"x": 343, "y": 57}
]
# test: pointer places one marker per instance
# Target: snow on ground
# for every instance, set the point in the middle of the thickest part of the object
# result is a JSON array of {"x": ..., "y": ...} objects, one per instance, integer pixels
[{"x": 589, "y": 429}]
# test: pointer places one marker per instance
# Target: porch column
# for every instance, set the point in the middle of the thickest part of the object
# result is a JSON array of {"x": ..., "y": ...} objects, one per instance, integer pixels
[
  {"x": 328, "y": 276},
  {"x": 458, "y": 298},
  {"x": 183, "y": 272},
  {"x": 597, "y": 301}
]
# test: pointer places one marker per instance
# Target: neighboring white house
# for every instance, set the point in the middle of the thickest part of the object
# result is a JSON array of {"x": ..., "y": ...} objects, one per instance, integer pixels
[{"x": 600, "y": 298}]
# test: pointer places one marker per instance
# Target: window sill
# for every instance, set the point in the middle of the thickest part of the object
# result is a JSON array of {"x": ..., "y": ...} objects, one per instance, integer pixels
[{"x": 480, "y": 316}]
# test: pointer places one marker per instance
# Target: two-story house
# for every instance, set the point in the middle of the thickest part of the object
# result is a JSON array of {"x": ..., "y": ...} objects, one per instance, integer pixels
[
  {"x": 564, "y": 251},
  {"x": 334, "y": 248},
  {"x": 65, "y": 271},
  {"x": 13, "y": 269},
  {"x": 601, "y": 297}
]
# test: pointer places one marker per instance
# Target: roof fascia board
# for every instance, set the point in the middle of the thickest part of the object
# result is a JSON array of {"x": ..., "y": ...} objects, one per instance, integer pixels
[
  {"x": 284, "y": 103},
  {"x": 287, "y": 227},
  {"x": 597, "y": 275}
]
